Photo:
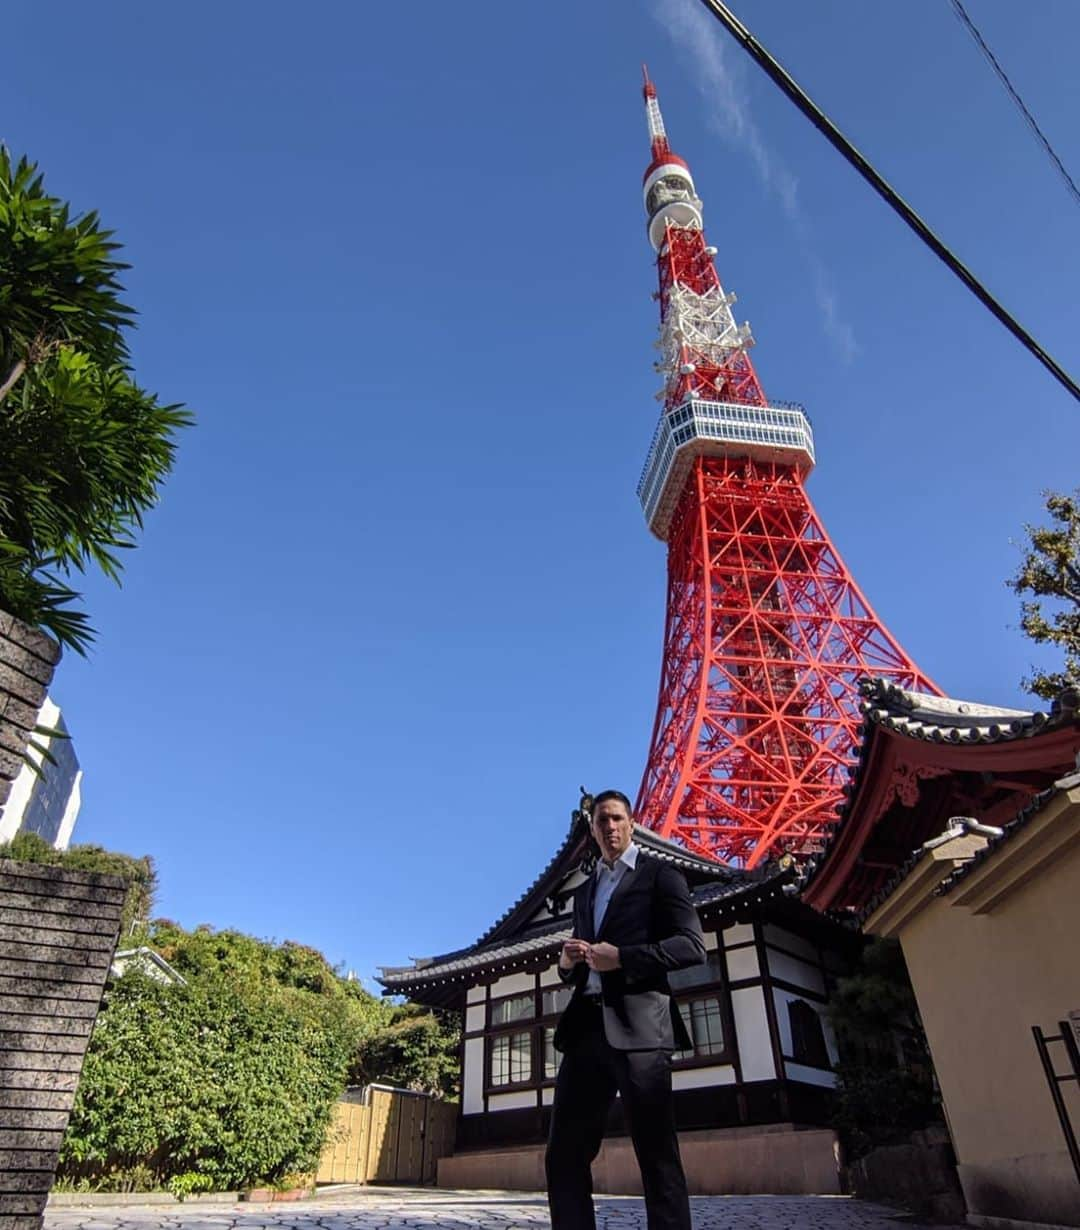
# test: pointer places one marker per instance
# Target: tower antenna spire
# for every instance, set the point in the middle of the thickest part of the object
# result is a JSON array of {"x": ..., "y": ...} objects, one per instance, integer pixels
[{"x": 657, "y": 135}]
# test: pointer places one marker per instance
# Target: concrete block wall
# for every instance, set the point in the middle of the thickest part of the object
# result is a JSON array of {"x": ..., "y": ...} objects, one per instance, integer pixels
[
  {"x": 777, "y": 1159},
  {"x": 28, "y": 659},
  {"x": 58, "y": 932}
]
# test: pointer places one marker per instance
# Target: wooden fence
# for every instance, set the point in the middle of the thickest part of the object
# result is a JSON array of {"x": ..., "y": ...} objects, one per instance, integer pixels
[{"x": 390, "y": 1136}]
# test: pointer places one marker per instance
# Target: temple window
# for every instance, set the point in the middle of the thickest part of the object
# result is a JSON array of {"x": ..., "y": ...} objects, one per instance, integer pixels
[
  {"x": 807, "y": 1036},
  {"x": 705, "y": 1023},
  {"x": 511, "y": 1059},
  {"x": 556, "y": 999},
  {"x": 516, "y": 1008},
  {"x": 709, "y": 972},
  {"x": 552, "y": 1057}
]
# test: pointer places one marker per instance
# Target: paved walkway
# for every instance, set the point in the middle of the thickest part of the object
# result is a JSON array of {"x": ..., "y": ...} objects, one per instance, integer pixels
[{"x": 425, "y": 1209}]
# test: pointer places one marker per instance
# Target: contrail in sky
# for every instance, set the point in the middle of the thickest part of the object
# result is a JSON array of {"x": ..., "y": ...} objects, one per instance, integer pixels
[{"x": 730, "y": 116}]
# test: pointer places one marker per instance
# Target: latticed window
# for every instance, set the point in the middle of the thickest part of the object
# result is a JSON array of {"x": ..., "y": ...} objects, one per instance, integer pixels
[
  {"x": 511, "y": 1059},
  {"x": 520, "y": 1008},
  {"x": 556, "y": 999},
  {"x": 705, "y": 1023},
  {"x": 552, "y": 1057}
]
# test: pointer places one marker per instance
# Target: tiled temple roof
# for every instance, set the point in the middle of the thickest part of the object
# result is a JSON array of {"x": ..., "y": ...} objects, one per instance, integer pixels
[
  {"x": 573, "y": 848},
  {"x": 942, "y": 719},
  {"x": 1022, "y": 818},
  {"x": 925, "y": 717},
  {"x": 741, "y": 889}
]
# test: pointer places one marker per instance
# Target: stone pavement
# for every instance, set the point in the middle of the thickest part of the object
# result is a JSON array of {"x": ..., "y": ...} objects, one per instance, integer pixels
[{"x": 375, "y": 1208}]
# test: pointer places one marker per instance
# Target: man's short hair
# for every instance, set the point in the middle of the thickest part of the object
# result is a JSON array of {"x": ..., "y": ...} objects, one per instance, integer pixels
[{"x": 618, "y": 795}]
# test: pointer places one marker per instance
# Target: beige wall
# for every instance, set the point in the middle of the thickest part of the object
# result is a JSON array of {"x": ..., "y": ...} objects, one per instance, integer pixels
[
  {"x": 988, "y": 960},
  {"x": 729, "y": 1161}
]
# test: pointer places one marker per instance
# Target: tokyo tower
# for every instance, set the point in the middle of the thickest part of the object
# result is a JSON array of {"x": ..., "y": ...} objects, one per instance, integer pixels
[{"x": 767, "y": 634}]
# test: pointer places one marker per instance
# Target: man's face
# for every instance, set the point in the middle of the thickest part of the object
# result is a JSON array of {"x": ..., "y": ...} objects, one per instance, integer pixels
[{"x": 611, "y": 828}]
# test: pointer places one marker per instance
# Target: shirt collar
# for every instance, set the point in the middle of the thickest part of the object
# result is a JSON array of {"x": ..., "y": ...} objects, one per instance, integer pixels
[{"x": 628, "y": 858}]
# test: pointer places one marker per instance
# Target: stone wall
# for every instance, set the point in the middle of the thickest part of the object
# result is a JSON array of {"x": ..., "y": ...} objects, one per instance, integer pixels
[
  {"x": 919, "y": 1175},
  {"x": 58, "y": 931},
  {"x": 778, "y": 1159},
  {"x": 27, "y": 661}
]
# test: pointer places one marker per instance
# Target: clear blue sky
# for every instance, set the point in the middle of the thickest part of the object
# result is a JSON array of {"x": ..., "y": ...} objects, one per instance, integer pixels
[{"x": 398, "y": 600}]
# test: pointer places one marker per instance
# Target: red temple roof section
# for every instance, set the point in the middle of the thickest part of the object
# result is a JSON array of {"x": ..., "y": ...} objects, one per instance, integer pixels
[{"x": 923, "y": 760}]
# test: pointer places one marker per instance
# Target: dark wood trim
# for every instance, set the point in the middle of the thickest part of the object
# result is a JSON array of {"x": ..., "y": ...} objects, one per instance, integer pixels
[{"x": 770, "y": 1016}]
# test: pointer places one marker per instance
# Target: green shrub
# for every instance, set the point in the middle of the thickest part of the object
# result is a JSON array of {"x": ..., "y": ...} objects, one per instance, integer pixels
[
  {"x": 233, "y": 1077},
  {"x": 138, "y": 873},
  {"x": 227, "y": 1081}
]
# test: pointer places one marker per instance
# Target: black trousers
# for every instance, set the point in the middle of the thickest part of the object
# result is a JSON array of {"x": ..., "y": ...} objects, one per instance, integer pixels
[{"x": 589, "y": 1076}]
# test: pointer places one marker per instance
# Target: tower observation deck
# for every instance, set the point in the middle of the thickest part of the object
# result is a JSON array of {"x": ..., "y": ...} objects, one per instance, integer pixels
[{"x": 767, "y": 634}]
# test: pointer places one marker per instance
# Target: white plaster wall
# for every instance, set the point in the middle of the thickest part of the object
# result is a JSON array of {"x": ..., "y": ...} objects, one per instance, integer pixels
[
  {"x": 550, "y": 976},
  {"x": 791, "y": 969},
  {"x": 472, "y": 1079},
  {"x": 739, "y": 933},
  {"x": 711, "y": 943},
  {"x": 752, "y": 1034},
  {"x": 792, "y": 942},
  {"x": 476, "y": 995},
  {"x": 513, "y": 984},
  {"x": 700, "y": 1078},
  {"x": 474, "y": 1018},
  {"x": 742, "y": 963},
  {"x": 512, "y": 1101}
]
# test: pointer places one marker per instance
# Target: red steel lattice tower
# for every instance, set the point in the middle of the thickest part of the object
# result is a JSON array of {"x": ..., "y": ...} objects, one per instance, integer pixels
[{"x": 767, "y": 634}]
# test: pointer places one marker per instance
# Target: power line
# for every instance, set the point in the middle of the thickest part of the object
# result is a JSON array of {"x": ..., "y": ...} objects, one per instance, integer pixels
[
  {"x": 836, "y": 138},
  {"x": 1040, "y": 136}
]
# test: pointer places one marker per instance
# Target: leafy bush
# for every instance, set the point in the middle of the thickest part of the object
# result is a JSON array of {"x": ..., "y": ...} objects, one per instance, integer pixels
[
  {"x": 415, "y": 1050},
  {"x": 886, "y": 1086},
  {"x": 233, "y": 1077},
  {"x": 186, "y": 1184},
  {"x": 216, "y": 1078},
  {"x": 138, "y": 873}
]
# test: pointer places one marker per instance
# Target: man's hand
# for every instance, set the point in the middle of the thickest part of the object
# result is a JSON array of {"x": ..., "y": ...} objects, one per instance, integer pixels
[
  {"x": 573, "y": 953},
  {"x": 602, "y": 957}
]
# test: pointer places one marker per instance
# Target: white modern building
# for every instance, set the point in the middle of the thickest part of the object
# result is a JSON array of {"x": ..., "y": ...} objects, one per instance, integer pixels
[{"x": 46, "y": 802}]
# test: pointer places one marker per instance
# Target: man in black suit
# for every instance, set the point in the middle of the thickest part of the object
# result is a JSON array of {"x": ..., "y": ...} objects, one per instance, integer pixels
[{"x": 633, "y": 922}]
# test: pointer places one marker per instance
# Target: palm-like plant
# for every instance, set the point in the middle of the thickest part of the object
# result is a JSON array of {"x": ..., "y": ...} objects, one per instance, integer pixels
[{"x": 83, "y": 449}]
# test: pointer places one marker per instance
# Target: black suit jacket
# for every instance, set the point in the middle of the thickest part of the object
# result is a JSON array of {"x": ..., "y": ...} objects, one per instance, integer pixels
[{"x": 652, "y": 922}]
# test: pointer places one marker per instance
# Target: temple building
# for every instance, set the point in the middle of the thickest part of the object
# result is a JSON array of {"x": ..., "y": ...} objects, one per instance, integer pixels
[
  {"x": 759, "y": 1076},
  {"x": 961, "y": 838}
]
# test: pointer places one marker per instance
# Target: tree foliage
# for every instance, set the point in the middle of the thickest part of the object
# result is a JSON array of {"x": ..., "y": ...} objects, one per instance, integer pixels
[
  {"x": 413, "y": 1049},
  {"x": 83, "y": 449},
  {"x": 230, "y": 1080},
  {"x": 1050, "y": 572},
  {"x": 138, "y": 874},
  {"x": 886, "y": 1087}
]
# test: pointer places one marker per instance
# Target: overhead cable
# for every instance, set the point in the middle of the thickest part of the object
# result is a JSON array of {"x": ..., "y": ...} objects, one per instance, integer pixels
[
  {"x": 1040, "y": 136},
  {"x": 836, "y": 138}
]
